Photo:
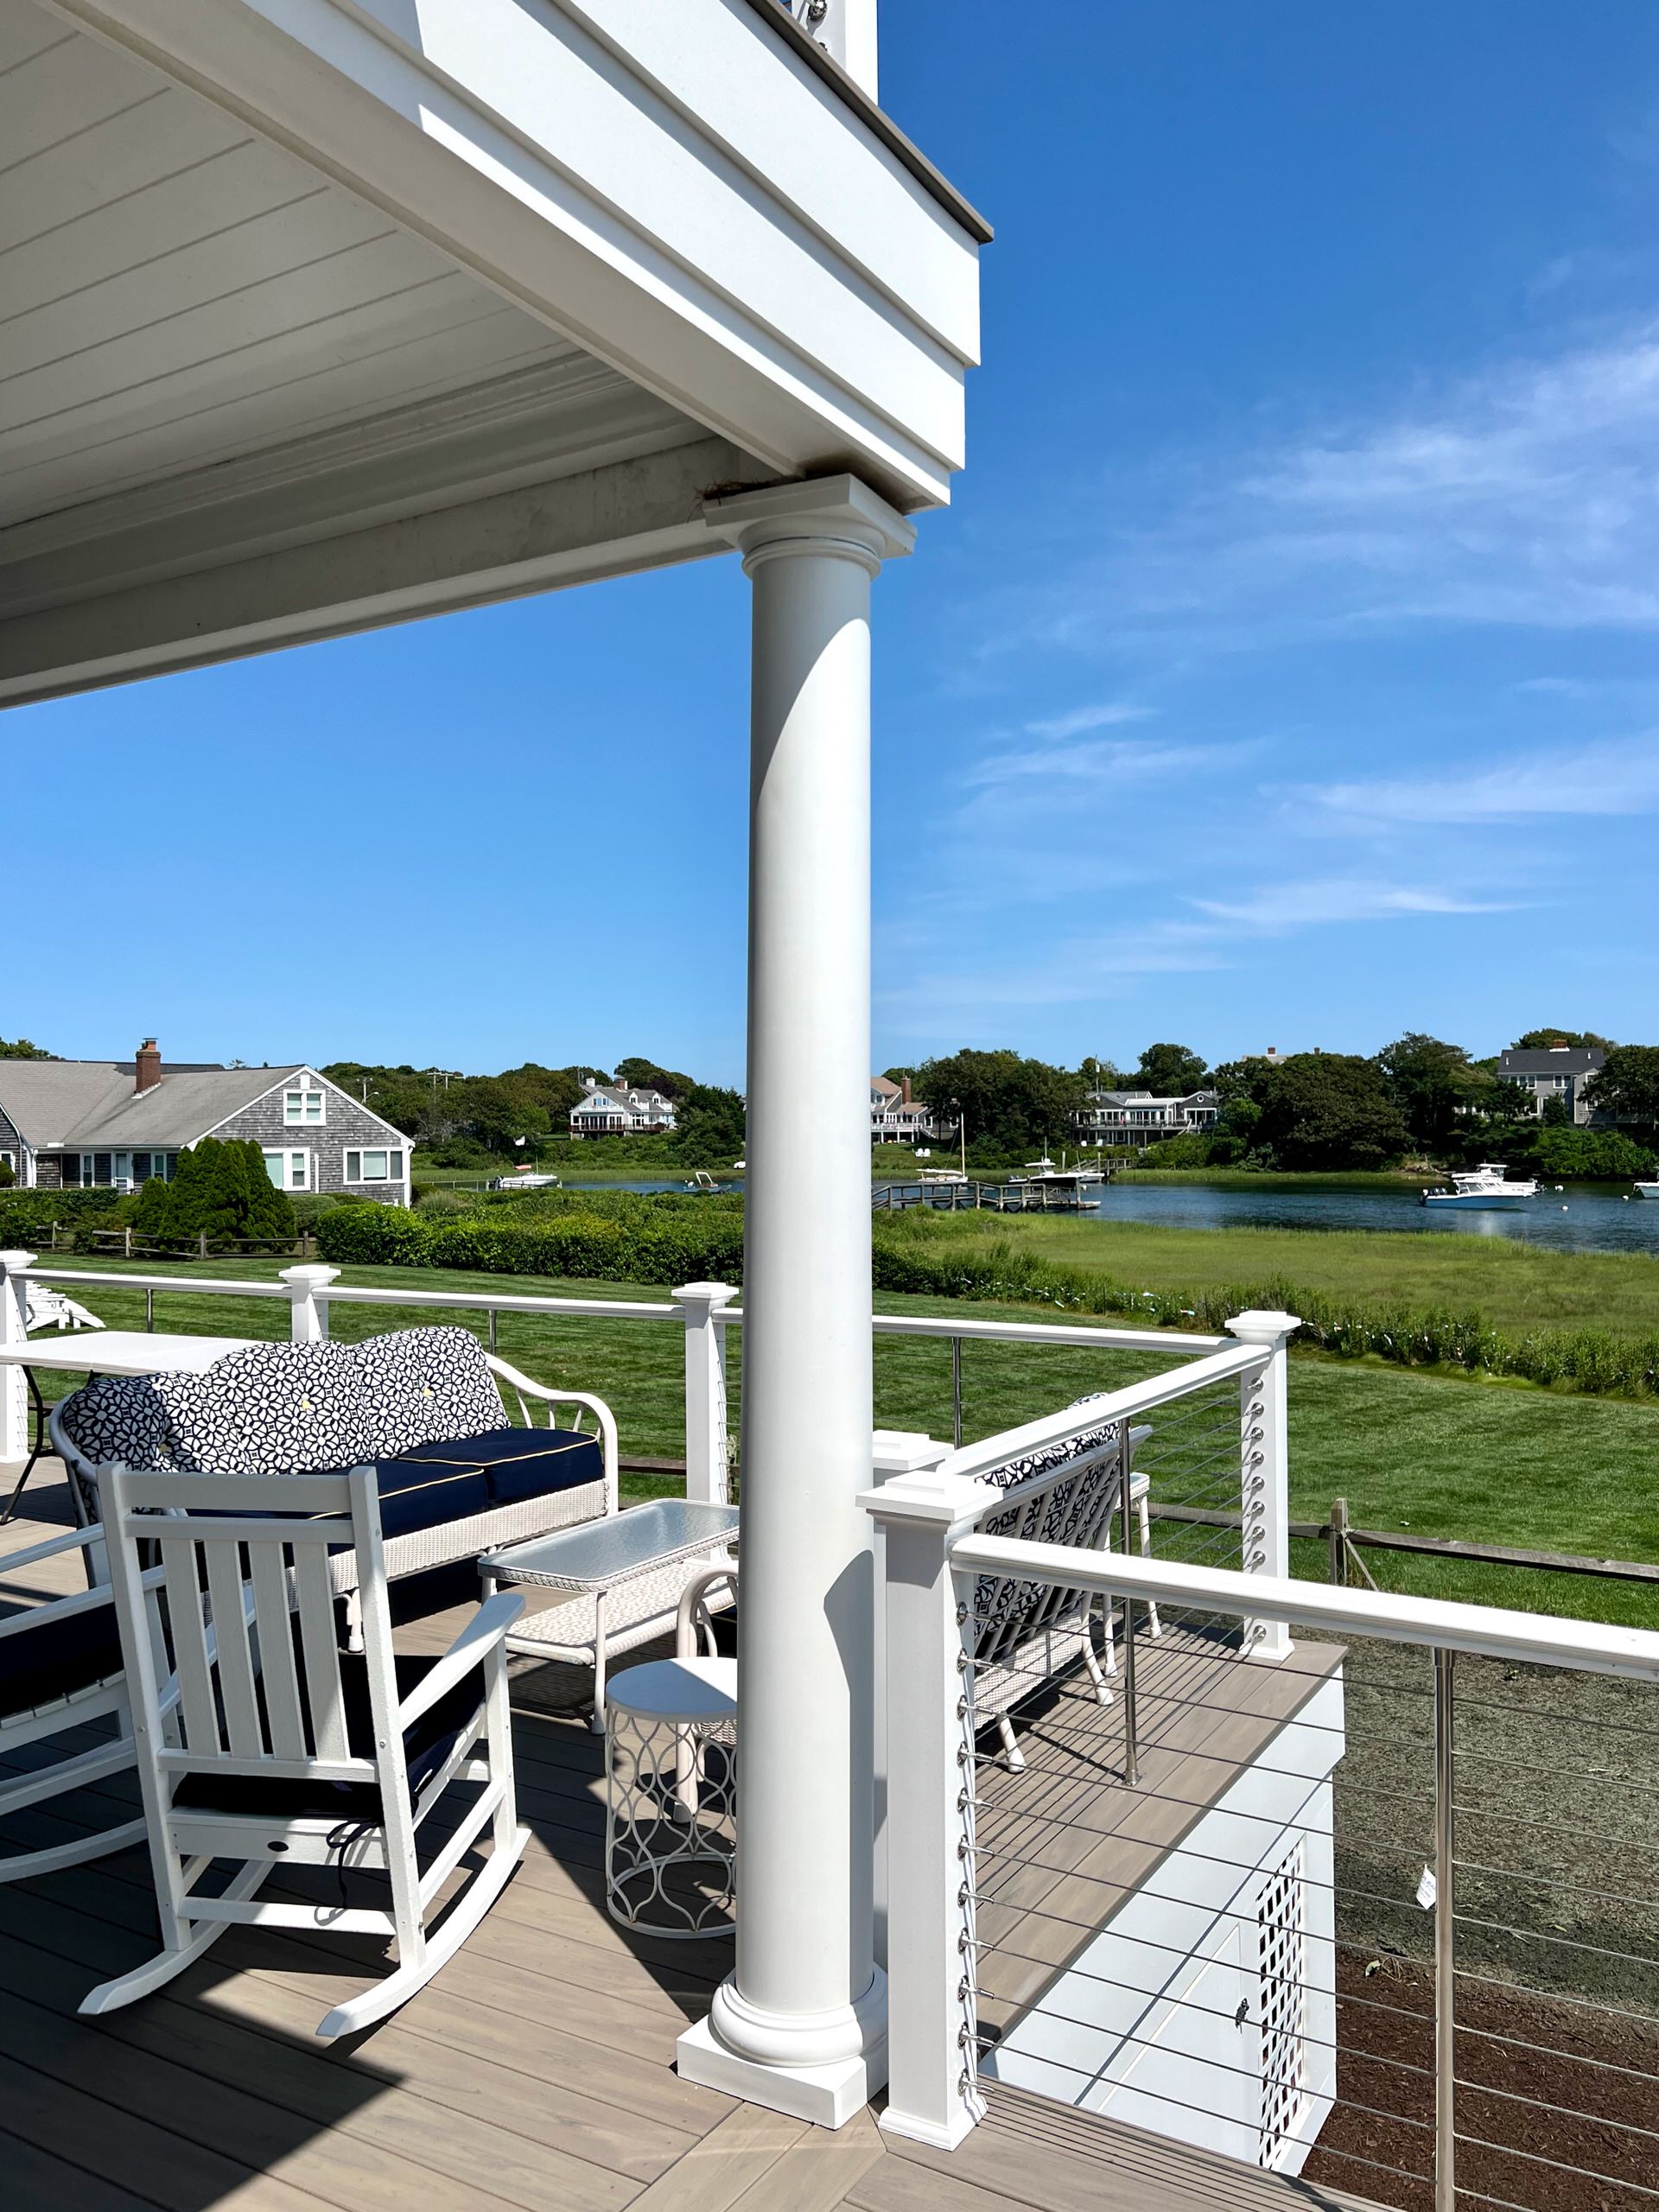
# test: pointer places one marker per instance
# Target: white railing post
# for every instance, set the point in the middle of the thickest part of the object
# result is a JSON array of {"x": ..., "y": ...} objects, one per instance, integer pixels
[
  {"x": 308, "y": 1315},
  {"x": 14, "y": 1330},
  {"x": 708, "y": 1461},
  {"x": 933, "y": 2059},
  {"x": 893, "y": 1452},
  {"x": 1264, "y": 1467}
]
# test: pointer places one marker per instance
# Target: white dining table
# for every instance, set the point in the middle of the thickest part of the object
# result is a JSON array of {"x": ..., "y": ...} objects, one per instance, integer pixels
[{"x": 107, "y": 1351}]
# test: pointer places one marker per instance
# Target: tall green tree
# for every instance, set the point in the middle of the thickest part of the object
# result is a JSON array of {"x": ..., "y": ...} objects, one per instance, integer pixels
[
  {"x": 1170, "y": 1070},
  {"x": 709, "y": 1129},
  {"x": 1626, "y": 1085},
  {"x": 1330, "y": 1110},
  {"x": 1430, "y": 1082},
  {"x": 1545, "y": 1041},
  {"x": 1010, "y": 1104},
  {"x": 221, "y": 1188},
  {"x": 645, "y": 1075}
]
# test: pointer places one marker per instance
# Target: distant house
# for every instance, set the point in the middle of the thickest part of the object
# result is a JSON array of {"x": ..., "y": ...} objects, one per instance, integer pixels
[
  {"x": 895, "y": 1116},
  {"x": 615, "y": 1110},
  {"x": 112, "y": 1124},
  {"x": 1553, "y": 1072},
  {"x": 1138, "y": 1118}
]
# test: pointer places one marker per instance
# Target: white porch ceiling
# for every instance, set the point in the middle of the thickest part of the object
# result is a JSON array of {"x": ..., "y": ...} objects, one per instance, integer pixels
[{"x": 318, "y": 314}]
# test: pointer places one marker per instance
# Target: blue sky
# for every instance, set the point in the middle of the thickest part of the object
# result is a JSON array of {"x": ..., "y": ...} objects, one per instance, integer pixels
[{"x": 1286, "y": 672}]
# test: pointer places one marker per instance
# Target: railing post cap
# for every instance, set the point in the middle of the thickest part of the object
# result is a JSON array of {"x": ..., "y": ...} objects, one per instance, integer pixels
[
  {"x": 905, "y": 1451},
  {"x": 706, "y": 1293},
  {"x": 308, "y": 1279},
  {"x": 10, "y": 1262},
  {"x": 931, "y": 1500},
  {"x": 1264, "y": 1328}
]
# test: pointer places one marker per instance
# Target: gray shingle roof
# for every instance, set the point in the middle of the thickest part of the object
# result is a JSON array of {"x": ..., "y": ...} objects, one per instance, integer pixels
[
  {"x": 94, "y": 1101},
  {"x": 1572, "y": 1059}
]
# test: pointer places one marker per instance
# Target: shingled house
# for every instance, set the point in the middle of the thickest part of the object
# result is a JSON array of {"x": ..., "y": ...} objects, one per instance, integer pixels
[{"x": 107, "y": 1124}]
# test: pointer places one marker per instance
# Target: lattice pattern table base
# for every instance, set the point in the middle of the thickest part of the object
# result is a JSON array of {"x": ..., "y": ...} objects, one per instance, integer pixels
[{"x": 671, "y": 1826}]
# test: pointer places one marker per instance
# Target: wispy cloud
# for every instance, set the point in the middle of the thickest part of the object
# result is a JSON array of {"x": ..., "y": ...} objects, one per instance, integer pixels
[
  {"x": 1083, "y": 718},
  {"x": 1100, "y": 761},
  {"x": 1293, "y": 905},
  {"x": 1519, "y": 495},
  {"x": 1616, "y": 776}
]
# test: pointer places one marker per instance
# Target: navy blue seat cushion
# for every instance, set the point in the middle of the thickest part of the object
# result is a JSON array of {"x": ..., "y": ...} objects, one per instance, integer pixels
[
  {"x": 427, "y": 1744},
  {"x": 53, "y": 1657},
  {"x": 512, "y": 1464}
]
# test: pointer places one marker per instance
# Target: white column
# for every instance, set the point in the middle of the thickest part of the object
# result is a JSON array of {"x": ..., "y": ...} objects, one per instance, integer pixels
[
  {"x": 308, "y": 1313},
  {"x": 707, "y": 1478},
  {"x": 933, "y": 2063},
  {"x": 1264, "y": 1469},
  {"x": 14, "y": 1330},
  {"x": 801, "y": 2023}
]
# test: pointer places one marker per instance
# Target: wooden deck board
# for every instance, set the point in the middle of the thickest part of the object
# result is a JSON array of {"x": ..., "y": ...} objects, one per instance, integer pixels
[{"x": 536, "y": 2070}]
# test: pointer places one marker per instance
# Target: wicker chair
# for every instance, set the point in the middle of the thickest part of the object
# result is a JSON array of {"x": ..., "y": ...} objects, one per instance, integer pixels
[{"x": 423, "y": 1407}]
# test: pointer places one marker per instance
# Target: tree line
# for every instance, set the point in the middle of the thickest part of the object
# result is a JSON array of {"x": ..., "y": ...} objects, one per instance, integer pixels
[
  {"x": 1419, "y": 1097},
  {"x": 476, "y": 1121}
]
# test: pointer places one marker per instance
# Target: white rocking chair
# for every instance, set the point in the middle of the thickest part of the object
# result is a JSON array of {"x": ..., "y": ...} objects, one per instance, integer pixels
[
  {"x": 60, "y": 1670},
  {"x": 285, "y": 1751}
]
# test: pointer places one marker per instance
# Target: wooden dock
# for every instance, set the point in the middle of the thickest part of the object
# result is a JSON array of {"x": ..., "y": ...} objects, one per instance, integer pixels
[{"x": 1060, "y": 1196}]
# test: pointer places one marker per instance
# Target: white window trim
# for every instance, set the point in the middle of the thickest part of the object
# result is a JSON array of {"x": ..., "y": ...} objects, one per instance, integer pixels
[
  {"x": 388, "y": 1181},
  {"x": 287, "y": 1152},
  {"x": 303, "y": 1091}
]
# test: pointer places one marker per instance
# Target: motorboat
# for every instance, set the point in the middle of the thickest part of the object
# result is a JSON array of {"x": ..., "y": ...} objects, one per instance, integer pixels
[
  {"x": 1486, "y": 1186},
  {"x": 523, "y": 1178},
  {"x": 1647, "y": 1190},
  {"x": 937, "y": 1175}
]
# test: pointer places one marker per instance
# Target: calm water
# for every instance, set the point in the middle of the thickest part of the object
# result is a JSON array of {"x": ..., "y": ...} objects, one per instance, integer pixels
[{"x": 1595, "y": 1218}]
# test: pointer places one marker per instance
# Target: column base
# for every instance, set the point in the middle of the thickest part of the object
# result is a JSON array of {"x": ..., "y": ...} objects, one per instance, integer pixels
[
  {"x": 827, "y": 2096},
  {"x": 827, "y": 2093}
]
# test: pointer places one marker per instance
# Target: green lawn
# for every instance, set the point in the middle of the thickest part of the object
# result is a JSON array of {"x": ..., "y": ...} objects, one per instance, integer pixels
[
  {"x": 1491, "y": 1462},
  {"x": 1515, "y": 1287}
]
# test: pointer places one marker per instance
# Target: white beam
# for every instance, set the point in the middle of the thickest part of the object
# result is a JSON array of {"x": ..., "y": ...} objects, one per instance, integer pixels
[{"x": 643, "y": 513}]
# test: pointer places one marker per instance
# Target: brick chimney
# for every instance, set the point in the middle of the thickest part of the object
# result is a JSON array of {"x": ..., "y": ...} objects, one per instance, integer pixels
[
  {"x": 147, "y": 1066},
  {"x": 903, "y": 1090}
]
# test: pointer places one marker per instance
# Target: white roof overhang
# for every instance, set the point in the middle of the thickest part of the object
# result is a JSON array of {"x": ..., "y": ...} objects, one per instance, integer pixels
[{"x": 323, "y": 312}]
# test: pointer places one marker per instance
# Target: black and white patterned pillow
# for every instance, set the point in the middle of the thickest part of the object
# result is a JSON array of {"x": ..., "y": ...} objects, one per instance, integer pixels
[
  {"x": 425, "y": 1386},
  {"x": 284, "y": 1408},
  {"x": 118, "y": 1419},
  {"x": 277, "y": 1409}
]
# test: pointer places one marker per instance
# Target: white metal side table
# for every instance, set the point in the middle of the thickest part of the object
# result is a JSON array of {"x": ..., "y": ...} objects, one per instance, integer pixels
[
  {"x": 671, "y": 1797},
  {"x": 622, "y": 1577}
]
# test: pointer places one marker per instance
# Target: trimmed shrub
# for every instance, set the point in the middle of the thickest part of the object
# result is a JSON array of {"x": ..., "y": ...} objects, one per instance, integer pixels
[{"x": 25, "y": 1214}]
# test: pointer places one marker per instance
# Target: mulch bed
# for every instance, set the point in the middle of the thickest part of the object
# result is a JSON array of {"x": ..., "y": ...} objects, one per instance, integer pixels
[{"x": 1546, "y": 2086}]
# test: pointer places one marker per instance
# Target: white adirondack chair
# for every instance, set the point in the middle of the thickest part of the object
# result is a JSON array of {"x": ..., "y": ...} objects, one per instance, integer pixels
[
  {"x": 61, "y": 1669},
  {"x": 287, "y": 1752},
  {"x": 50, "y": 1309}
]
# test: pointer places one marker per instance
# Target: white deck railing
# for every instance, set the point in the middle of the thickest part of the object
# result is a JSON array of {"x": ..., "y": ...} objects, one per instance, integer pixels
[
  {"x": 1469, "y": 1842},
  {"x": 702, "y": 1311}
]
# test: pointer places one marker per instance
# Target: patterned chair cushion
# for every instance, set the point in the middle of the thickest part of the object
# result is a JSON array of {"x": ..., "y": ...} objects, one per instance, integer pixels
[
  {"x": 118, "y": 1418},
  {"x": 515, "y": 1464},
  {"x": 420, "y": 1386},
  {"x": 285, "y": 1409}
]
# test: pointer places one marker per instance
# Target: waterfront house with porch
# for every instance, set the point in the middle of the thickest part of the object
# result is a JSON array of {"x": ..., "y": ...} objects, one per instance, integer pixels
[
  {"x": 109, "y": 1125},
  {"x": 615, "y": 1110},
  {"x": 1134, "y": 1119}
]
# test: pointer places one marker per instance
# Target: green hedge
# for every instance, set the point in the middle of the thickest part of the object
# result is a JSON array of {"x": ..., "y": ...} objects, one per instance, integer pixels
[
  {"x": 26, "y": 1214},
  {"x": 693, "y": 1246}
]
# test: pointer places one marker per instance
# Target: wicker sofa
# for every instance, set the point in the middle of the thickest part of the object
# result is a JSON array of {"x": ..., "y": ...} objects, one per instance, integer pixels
[{"x": 423, "y": 1407}]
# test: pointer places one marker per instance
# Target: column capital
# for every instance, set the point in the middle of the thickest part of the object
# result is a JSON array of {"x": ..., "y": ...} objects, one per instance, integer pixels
[{"x": 826, "y": 514}]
